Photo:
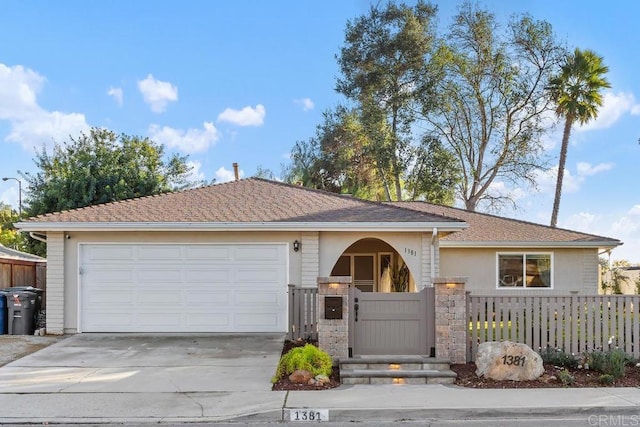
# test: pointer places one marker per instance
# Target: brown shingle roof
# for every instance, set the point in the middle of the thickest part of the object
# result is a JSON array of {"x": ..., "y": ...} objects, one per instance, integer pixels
[
  {"x": 250, "y": 200},
  {"x": 485, "y": 228}
]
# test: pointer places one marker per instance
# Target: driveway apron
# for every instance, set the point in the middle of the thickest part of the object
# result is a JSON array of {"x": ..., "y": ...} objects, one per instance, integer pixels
[{"x": 135, "y": 376}]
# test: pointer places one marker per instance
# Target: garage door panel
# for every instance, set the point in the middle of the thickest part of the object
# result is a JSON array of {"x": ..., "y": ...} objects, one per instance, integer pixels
[
  {"x": 258, "y": 274},
  {"x": 160, "y": 252},
  {"x": 108, "y": 253},
  {"x": 256, "y": 298},
  {"x": 210, "y": 275},
  {"x": 221, "y": 320},
  {"x": 109, "y": 297},
  {"x": 198, "y": 253},
  {"x": 260, "y": 322},
  {"x": 183, "y": 288},
  {"x": 162, "y": 275},
  {"x": 208, "y": 298},
  {"x": 98, "y": 275},
  {"x": 258, "y": 253}
]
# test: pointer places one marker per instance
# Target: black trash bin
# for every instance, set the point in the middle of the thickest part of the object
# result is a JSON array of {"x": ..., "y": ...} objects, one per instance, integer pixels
[
  {"x": 3, "y": 313},
  {"x": 21, "y": 306},
  {"x": 37, "y": 291}
]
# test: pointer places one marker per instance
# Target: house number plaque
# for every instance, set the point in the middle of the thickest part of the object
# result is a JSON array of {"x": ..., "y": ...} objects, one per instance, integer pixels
[
  {"x": 308, "y": 415},
  {"x": 410, "y": 251}
]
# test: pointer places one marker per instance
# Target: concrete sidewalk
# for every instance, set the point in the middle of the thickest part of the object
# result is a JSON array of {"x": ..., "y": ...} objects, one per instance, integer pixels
[
  {"x": 359, "y": 403},
  {"x": 206, "y": 379}
]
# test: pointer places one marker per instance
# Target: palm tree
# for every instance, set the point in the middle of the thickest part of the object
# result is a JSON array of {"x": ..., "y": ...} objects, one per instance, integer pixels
[{"x": 576, "y": 92}]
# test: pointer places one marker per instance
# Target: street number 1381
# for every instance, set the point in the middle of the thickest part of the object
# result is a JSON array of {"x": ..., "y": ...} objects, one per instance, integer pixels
[{"x": 510, "y": 360}]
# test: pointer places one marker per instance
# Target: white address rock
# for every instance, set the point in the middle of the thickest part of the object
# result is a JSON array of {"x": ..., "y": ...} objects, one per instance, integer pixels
[{"x": 508, "y": 360}]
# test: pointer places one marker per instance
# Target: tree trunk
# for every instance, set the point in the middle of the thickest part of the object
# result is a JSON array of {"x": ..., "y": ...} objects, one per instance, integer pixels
[{"x": 561, "y": 165}]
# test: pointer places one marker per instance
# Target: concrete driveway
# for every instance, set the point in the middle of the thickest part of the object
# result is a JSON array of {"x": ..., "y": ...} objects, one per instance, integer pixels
[{"x": 140, "y": 376}]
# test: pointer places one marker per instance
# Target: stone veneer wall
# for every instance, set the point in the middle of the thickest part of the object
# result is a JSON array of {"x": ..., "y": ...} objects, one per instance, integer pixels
[
  {"x": 451, "y": 319},
  {"x": 333, "y": 334}
]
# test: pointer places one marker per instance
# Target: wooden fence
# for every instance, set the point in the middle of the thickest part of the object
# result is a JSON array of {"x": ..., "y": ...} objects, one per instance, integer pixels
[
  {"x": 572, "y": 323},
  {"x": 303, "y": 312}
]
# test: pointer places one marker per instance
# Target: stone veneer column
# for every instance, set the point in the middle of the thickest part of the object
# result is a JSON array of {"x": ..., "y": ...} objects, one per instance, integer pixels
[
  {"x": 451, "y": 319},
  {"x": 333, "y": 334}
]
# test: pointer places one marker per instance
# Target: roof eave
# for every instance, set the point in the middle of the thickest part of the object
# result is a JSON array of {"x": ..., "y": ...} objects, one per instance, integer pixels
[
  {"x": 241, "y": 226},
  {"x": 530, "y": 244}
]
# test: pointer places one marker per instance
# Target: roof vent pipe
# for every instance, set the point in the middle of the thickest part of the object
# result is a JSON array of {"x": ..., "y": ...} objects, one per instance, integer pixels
[{"x": 235, "y": 171}]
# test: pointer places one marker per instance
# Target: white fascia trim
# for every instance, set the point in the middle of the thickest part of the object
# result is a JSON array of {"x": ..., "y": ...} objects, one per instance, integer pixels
[
  {"x": 596, "y": 244},
  {"x": 240, "y": 226}
]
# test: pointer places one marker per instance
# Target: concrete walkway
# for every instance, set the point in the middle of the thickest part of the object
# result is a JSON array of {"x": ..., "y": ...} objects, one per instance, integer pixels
[{"x": 182, "y": 379}]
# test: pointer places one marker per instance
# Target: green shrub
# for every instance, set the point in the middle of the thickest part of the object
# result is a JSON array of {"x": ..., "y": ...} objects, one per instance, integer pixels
[
  {"x": 557, "y": 357},
  {"x": 309, "y": 358},
  {"x": 606, "y": 379},
  {"x": 611, "y": 362},
  {"x": 566, "y": 378}
]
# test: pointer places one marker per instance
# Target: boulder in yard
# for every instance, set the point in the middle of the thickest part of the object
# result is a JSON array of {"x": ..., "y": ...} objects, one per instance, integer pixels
[
  {"x": 300, "y": 376},
  {"x": 506, "y": 360}
]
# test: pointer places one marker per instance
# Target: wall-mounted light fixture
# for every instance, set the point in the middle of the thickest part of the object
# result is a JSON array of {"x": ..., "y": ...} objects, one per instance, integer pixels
[{"x": 296, "y": 245}]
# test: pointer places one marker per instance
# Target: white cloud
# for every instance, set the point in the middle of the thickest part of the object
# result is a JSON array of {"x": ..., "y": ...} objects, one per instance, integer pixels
[
  {"x": 625, "y": 227},
  {"x": 196, "y": 174},
  {"x": 157, "y": 93},
  {"x": 613, "y": 108},
  {"x": 246, "y": 117},
  {"x": 31, "y": 125},
  {"x": 189, "y": 141},
  {"x": 546, "y": 180},
  {"x": 19, "y": 87},
  {"x": 306, "y": 103},
  {"x": 117, "y": 94},
  {"x": 225, "y": 175},
  {"x": 586, "y": 169}
]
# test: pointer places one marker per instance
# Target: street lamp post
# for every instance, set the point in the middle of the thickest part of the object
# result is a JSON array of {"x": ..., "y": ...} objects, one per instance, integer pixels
[{"x": 19, "y": 193}]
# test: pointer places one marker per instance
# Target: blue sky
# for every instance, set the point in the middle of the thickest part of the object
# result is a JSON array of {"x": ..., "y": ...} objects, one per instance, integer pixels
[{"x": 242, "y": 81}]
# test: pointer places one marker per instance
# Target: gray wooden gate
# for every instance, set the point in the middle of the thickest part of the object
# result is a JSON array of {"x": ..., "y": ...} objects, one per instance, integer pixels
[{"x": 397, "y": 323}]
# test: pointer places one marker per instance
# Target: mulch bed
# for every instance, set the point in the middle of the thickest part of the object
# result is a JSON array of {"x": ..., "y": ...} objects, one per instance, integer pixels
[
  {"x": 467, "y": 377},
  {"x": 583, "y": 378},
  {"x": 284, "y": 384}
]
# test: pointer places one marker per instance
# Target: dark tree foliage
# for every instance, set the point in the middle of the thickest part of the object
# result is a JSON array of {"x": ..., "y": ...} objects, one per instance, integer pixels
[
  {"x": 385, "y": 72},
  {"x": 337, "y": 159},
  {"x": 99, "y": 167}
]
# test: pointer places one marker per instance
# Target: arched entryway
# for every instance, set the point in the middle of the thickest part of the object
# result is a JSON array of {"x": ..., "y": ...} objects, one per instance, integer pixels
[{"x": 375, "y": 267}]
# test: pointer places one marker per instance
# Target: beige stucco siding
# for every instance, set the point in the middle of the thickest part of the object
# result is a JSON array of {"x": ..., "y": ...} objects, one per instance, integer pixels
[
  {"x": 573, "y": 269},
  {"x": 70, "y": 248}
]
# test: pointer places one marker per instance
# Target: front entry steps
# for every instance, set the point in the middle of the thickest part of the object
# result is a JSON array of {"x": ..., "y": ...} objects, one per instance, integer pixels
[{"x": 395, "y": 370}]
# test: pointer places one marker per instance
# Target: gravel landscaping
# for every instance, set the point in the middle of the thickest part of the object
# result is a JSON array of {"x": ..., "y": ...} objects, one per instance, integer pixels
[{"x": 13, "y": 347}]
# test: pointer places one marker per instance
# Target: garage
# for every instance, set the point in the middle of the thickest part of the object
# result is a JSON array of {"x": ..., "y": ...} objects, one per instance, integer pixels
[{"x": 183, "y": 287}]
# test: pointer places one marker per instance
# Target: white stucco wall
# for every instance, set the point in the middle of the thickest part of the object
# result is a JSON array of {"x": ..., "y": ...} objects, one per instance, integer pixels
[{"x": 573, "y": 269}]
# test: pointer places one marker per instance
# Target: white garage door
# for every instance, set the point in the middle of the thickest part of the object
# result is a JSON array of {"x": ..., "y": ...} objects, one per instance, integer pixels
[{"x": 183, "y": 288}]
